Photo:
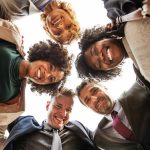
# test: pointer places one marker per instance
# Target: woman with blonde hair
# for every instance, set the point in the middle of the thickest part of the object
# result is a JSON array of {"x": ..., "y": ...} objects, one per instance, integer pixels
[{"x": 58, "y": 18}]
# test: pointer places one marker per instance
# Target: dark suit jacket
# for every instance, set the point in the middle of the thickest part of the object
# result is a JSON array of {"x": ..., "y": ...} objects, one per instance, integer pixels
[
  {"x": 27, "y": 124},
  {"x": 117, "y": 8},
  {"x": 136, "y": 105}
]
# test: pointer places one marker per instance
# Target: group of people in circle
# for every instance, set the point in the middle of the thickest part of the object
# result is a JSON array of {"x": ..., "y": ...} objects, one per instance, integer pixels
[{"x": 103, "y": 49}]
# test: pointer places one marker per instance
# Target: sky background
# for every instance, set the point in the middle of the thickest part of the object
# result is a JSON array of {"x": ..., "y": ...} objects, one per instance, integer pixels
[{"x": 89, "y": 13}]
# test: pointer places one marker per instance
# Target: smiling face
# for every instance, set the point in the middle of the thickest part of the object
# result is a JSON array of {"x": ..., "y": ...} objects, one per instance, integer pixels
[
  {"x": 104, "y": 55},
  {"x": 43, "y": 72},
  {"x": 60, "y": 25},
  {"x": 59, "y": 111},
  {"x": 96, "y": 98}
]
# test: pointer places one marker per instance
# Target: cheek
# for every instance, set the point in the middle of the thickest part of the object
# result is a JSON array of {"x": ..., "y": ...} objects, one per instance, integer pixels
[{"x": 90, "y": 60}]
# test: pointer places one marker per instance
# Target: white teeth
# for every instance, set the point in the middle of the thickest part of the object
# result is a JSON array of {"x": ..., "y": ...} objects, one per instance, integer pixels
[
  {"x": 57, "y": 21},
  {"x": 39, "y": 74},
  {"x": 109, "y": 55},
  {"x": 59, "y": 119}
]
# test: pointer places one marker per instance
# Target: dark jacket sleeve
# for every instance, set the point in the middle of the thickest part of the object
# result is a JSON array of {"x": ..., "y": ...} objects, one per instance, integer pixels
[
  {"x": 117, "y": 8},
  {"x": 20, "y": 127},
  {"x": 84, "y": 133}
]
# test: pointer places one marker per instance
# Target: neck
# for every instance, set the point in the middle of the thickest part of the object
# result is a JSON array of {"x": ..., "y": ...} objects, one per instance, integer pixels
[
  {"x": 111, "y": 109},
  {"x": 23, "y": 69}
]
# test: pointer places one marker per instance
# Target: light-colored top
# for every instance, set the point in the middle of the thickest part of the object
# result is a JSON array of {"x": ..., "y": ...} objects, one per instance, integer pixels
[{"x": 137, "y": 44}]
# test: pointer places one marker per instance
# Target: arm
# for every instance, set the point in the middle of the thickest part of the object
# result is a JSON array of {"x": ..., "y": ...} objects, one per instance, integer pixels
[
  {"x": 116, "y": 8},
  {"x": 117, "y": 27},
  {"x": 17, "y": 103}
]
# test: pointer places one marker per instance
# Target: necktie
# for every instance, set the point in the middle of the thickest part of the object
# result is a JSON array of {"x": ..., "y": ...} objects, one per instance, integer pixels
[
  {"x": 120, "y": 127},
  {"x": 56, "y": 142}
]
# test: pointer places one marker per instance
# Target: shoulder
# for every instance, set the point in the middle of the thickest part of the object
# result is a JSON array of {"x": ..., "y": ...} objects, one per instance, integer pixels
[{"x": 24, "y": 122}]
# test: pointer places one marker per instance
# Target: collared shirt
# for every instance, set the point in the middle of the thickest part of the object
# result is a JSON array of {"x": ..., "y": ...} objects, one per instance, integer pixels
[
  {"x": 123, "y": 118},
  {"x": 42, "y": 140},
  {"x": 41, "y": 4}
]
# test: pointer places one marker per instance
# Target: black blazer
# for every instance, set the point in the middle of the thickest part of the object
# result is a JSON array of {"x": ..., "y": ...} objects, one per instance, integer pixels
[{"x": 28, "y": 124}]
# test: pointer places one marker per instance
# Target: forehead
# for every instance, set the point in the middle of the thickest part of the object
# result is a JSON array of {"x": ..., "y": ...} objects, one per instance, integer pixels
[
  {"x": 86, "y": 90},
  {"x": 64, "y": 100}
]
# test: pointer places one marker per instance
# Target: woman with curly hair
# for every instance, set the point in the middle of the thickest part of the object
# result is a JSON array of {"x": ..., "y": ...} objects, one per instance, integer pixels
[
  {"x": 105, "y": 48},
  {"x": 46, "y": 69},
  {"x": 90, "y": 64},
  {"x": 51, "y": 75},
  {"x": 58, "y": 18}
]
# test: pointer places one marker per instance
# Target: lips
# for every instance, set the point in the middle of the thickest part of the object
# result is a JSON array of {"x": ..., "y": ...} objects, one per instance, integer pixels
[
  {"x": 106, "y": 53},
  {"x": 39, "y": 73},
  {"x": 56, "y": 20},
  {"x": 101, "y": 104},
  {"x": 109, "y": 54},
  {"x": 59, "y": 120}
]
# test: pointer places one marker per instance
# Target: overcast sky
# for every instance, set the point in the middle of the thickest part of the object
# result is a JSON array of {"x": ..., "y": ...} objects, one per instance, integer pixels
[{"x": 89, "y": 13}]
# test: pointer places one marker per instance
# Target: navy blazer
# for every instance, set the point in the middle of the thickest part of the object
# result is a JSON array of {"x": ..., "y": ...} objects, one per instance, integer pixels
[{"x": 27, "y": 124}]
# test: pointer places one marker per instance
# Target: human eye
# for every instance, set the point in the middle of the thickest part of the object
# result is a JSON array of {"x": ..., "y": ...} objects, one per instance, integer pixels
[
  {"x": 68, "y": 26},
  {"x": 51, "y": 79},
  {"x": 94, "y": 90},
  {"x": 51, "y": 67},
  {"x": 87, "y": 99},
  {"x": 58, "y": 33},
  {"x": 58, "y": 106},
  {"x": 69, "y": 110}
]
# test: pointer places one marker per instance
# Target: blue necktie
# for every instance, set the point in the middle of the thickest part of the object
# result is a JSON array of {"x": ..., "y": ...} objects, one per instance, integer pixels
[{"x": 56, "y": 142}]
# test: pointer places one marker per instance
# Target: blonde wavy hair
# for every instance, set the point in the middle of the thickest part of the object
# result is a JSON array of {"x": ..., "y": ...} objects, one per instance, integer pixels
[{"x": 67, "y": 8}]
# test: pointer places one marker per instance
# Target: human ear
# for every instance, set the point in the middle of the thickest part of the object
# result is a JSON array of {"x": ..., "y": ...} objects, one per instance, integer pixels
[{"x": 47, "y": 105}]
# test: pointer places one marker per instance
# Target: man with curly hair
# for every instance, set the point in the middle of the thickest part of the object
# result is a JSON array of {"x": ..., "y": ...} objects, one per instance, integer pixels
[
  {"x": 58, "y": 18},
  {"x": 46, "y": 69},
  {"x": 27, "y": 134},
  {"x": 131, "y": 110}
]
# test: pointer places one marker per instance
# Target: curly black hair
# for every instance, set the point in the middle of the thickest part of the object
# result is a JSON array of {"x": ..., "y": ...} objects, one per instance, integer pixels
[
  {"x": 89, "y": 37},
  {"x": 55, "y": 54}
]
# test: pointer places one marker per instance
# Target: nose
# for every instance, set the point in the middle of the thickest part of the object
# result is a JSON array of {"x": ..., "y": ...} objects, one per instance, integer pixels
[
  {"x": 63, "y": 112},
  {"x": 93, "y": 98},
  {"x": 60, "y": 26}
]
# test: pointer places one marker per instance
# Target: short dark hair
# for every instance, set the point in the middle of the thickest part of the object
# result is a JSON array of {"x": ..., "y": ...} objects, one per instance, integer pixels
[
  {"x": 65, "y": 91},
  {"x": 89, "y": 37},
  {"x": 51, "y": 52},
  {"x": 82, "y": 85}
]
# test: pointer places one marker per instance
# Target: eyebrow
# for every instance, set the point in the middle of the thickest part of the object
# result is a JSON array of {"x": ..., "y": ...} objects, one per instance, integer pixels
[
  {"x": 86, "y": 100},
  {"x": 94, "y": 90}
]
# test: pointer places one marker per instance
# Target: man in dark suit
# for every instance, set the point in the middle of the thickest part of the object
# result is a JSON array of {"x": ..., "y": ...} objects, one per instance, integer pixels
[
  {"x": 27, "y": 134},
  {"x": 133, "y": 109}
]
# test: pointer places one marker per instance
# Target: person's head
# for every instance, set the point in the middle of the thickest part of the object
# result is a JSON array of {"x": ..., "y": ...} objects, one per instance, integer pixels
[
  {"x": 60, "y": 22},
  {"x": 60, "y": 108},
  {"x": 95, "y": 96},
  {"x": 9, "y": 9},
  {"x": 49, "y": 65},
  {"x": 101, "y": 54}
]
